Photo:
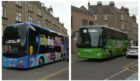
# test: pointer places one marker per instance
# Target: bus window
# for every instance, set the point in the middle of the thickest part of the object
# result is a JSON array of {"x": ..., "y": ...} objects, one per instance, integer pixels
[
  {"x": 43, "y": 42},
  {"x": 51, "y": 42},
  {"x": 83, "y": 38},
  {"x": 14, "y": 40},
  {"x": 56, "y": 43},
  {"x": 33, "y": 45}
]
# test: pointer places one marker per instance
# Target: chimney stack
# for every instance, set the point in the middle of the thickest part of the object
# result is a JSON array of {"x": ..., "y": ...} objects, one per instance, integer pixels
[
  {"x": 99, "y": 3},
  {"x": 126, "y": 10},
  {"x": 111, "y": 3},
  {"x": 88, "y": 5},
  {"x": 134, "y": 18}
]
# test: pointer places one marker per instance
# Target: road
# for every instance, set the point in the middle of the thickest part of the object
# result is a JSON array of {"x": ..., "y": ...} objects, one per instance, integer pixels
[
  {"x": 119, "y": 68},
  {"x": 53, "y": 71}
]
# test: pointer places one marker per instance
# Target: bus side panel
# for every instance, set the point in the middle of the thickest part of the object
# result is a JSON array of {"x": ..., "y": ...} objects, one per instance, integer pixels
[
  {"x": 115, "y": 47},
  {"x": 32, "y": 61},
  {"x": 51, "y": 57},
  {"x": 57, "y": 56}
]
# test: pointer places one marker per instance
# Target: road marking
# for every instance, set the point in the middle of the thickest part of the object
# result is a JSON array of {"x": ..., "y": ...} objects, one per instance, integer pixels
[
  {"x": 123, "y": 70},
  {"x": 53, "y": 74},
  {"x": 116, "y": 74}
]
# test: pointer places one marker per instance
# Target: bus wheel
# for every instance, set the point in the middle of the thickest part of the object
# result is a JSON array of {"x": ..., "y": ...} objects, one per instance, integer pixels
[
  {"x": 62, "y": 56},
  {"x": 41, "y": 61}
]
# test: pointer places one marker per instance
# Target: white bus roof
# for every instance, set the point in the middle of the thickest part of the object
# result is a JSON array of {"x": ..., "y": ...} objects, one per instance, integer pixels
[{"x": 92, "y": 26}]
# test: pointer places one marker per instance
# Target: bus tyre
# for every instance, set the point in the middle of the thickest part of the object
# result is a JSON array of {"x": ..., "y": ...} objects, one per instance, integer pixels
[
  {"x": 62, "y": 56},
  {"x": 41, "y": 61}
]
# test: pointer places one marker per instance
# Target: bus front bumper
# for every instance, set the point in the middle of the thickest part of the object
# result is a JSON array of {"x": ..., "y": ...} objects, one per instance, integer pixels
[
  {"x": 21, "y": 62},
  {"x": 91, "y": 53}
]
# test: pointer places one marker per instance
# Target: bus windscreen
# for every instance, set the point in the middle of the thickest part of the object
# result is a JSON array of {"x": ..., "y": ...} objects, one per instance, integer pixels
[
  {"x": 88, "y": 37},
  {"x": 14, "y": 40}
]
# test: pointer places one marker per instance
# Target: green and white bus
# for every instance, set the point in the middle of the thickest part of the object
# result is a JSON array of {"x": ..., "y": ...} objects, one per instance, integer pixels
[{"x": 100, "y": 42}]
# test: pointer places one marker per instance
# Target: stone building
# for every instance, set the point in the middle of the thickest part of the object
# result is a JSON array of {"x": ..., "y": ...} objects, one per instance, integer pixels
[
  {"x": 30, "y": 11},
  {"x": 114, "y": 17},
  {"x": 79, "y": 17}
]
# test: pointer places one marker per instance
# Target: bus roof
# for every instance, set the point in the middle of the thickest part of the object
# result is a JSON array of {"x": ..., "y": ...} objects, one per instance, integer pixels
[
  {"x": 46, "y": 29},
  {"x": 103, "y": 26},
  {"x": 28, "y": 23}
]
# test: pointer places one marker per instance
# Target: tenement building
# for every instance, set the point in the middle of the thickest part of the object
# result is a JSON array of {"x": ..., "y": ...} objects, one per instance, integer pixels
[
  {"x": 112, "y": 16},
  {"x": 79, "y": 17},
  {"x": 30, "y": 11}
]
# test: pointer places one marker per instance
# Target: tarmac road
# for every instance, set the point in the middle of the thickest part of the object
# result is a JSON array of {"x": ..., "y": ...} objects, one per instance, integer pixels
[
  {"x": 53, "y": 71},
  {"x": 119, "y": 68}
]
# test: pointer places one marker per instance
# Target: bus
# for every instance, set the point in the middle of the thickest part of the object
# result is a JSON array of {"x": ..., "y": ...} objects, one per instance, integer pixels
[
  {"x": 26, "y": 45},
  {"x": 101, "y": 42}
]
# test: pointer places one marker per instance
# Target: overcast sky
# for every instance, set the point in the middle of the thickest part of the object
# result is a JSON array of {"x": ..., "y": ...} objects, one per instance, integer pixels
[
  {"x": 61, "y": 9},
  {"x": 132, "y": 5}
]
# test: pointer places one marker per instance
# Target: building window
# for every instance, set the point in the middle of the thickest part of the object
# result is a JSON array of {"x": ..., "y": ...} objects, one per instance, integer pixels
[
  {"x": 95, "y": 17},
  {"x": 30, "y": 7},
  {"x": 122, "y": 26},
  {"x": 84, "y": 22},
  {"x": 18, "y": 16},
  {"x": 105, "y": 17},
  {"x": 122, "y": 17},
  {"x": 4, "y": 12},
  {"x": 30, "y": 19},
  {"x": 90, "y": 23},
  {"x": 39, "y": 12},
  {"x": 18, "y": 3}
]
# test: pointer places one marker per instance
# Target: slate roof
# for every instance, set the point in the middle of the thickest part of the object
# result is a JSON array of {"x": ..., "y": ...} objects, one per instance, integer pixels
[
  {"x": 106, "y": 9},
  {"x": 82, "y": 9}
]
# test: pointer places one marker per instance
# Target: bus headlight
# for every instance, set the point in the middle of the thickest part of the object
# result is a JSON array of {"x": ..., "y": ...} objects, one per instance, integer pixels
[{"x": 20, "y": 62}]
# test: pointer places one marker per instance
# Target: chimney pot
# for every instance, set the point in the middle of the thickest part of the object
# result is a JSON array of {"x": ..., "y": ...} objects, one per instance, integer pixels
[
  {"x": 99, "y": 3},
  {"x": 111, "y": 3}
]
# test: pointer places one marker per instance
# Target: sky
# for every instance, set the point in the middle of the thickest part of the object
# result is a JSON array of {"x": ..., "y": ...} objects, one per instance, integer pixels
[{"x": 61, "y": 9}]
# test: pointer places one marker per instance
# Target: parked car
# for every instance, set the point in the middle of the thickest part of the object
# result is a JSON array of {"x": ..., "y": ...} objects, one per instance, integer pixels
[{"x": 132, "y": 51}]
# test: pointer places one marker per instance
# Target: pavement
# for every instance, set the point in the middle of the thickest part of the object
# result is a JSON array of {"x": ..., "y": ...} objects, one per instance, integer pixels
[
  {"x": 133, "y": 76},
  {"x": 119, "y": 68},
  {"x": 53, "y": 71}
]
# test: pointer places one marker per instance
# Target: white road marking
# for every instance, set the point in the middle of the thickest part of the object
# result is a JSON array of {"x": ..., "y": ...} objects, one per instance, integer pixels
[
  {"x": 116, "y": 74},
  {"x": 54, "y": 74}
]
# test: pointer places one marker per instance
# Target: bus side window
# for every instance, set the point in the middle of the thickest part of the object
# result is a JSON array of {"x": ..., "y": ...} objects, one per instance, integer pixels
[
  {"x": 57, "y": 48},
  {"x": 44, "y": 47},
  {"x": 104, "y": 37},
  {"x": 32, "y": 41}
]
